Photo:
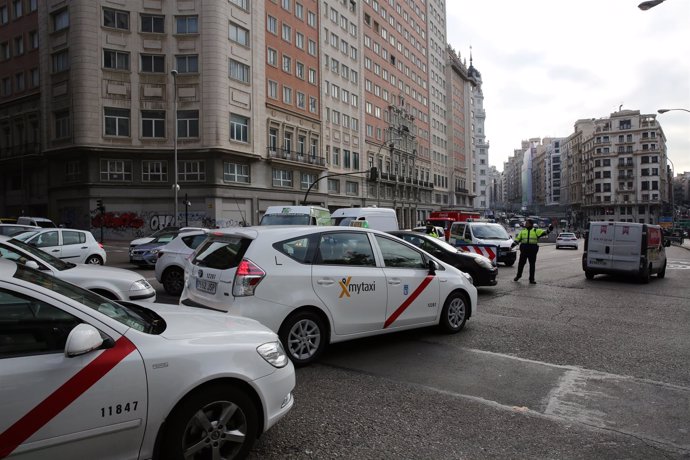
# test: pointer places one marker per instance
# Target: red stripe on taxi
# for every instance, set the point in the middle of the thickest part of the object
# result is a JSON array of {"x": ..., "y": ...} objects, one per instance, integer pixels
[
  {"x": 47, "y": 409},
  {"x": 408, "y": 301}
]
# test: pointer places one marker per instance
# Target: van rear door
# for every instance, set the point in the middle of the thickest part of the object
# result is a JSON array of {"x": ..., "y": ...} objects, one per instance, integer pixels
[
  {"x": 600, "y": 245},
  {"x": 625, "y": 254}
]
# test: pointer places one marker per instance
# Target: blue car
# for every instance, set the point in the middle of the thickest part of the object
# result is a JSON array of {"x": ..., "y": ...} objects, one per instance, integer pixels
[{"x": 146, "y": 255}]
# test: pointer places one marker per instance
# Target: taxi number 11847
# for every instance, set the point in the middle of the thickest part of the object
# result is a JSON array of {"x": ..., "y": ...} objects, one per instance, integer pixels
[{"x": 119, "y": 409}]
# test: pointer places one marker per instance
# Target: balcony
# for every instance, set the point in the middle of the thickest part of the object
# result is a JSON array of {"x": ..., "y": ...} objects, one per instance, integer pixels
[
  {"x": 626, "y": 176},
  {"x": 628, "y": 164},
  {"x": 297, "y": 157}
]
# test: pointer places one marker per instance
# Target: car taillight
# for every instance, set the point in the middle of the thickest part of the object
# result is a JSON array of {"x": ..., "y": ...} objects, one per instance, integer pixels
[
  {"x": 247, "y": 278},
  {"x": 100, "y": 245}
]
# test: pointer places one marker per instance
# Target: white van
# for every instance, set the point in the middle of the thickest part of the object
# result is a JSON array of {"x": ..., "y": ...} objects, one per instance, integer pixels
[
  {"x": 625, "y": 248},
  {"x": 383, "y": 219},
  {"x": 296, "y": 215},
  {"x": 485, "y": 233},
  {"x": 36, "y": 222}
]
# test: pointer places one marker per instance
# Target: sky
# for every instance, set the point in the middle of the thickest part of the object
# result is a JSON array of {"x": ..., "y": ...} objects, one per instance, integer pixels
[{"x": 547, "y": 63}]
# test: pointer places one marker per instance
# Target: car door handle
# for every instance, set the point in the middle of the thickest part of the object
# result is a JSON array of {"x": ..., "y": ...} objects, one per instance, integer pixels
[
  {"x": 394, "y": 282},
  {"x": 85, "y": 247},
  {"x": 325, "y": 282},
  {"x": 55, "y": 250},
  {"x": 442, "y": 280}
]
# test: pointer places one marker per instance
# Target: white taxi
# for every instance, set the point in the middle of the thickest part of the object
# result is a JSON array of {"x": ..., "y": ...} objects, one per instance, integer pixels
[
  {"x": 318, "y": 285},
  {"x": 83, "y": 376}
]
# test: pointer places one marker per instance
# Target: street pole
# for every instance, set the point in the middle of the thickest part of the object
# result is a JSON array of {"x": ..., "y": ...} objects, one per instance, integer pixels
[{"x": 176, "y": 187}]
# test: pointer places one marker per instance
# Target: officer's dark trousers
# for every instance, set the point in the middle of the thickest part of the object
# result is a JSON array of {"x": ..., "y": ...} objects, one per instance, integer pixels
[{"x": 528, "y": 252}]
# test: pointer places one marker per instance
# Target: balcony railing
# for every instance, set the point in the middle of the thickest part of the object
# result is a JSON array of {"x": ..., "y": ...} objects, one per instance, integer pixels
[
  {"x": 291, "y": 155},
  {"x": 626, "y": 165}
]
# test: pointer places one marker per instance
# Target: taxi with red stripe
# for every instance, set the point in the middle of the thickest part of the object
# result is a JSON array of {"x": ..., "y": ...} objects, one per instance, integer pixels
[
  {"x": 82, "y": 376},
  {"x": 318, "y": 285}
]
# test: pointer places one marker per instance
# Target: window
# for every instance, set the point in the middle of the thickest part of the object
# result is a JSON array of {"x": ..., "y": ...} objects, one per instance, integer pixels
[
  {"x": 299, "y": 70},
  {"x": 301, "y": 100},
  {"x": 287, "y": 33},
  {"x": 299, "y": 10},
  {"x": 311, "y": 19},
  {"x": 312, "y": 76},
  {"x": 272, "y": 89},
  {"x": 116, "y": 170},
  {"x": 187, "y": 123},
  {"x": 272, "y": 25},
  {"x": 17, "y": 8},
  {"x": 34, "y": 78},
  {"x": 154, "y": 171},
  {"x": 153, "y": 123},
  {"x": 116, "y": 122},
  {"x": 45, "y": 326},
  {"x": 238, "y": 34},
  {"x": 285, "y": 4},
  {"x": 244, "y": 4},
  {"x": 62, "y": 130},
  {"x": 239, "y": 128},
  {"x": 115, "y": 60},
  {"x": 312, "y": 104},
  {"x": 345, "y": 249},
  {"x": 239, "y": 71},
  {"x": 235, "y": 172},
  {"x": 19, "y": 46},
  {"x": 333, "y": 186},
  {"x": 153, "y": 63},
  {"x": 287, "y": 64},
  {"x": 306, "y": 180},
  {"x": 116, "y": 19},
  {"x": 351, "y": 188},
  {"x": 312, "y": 47},
  {"x": 19, "y": 82},
  {"x": 152, "y": 23},
  {"x": 187, "y": 24},
  {"x": 272, "y": 57},
  {"x": 299, "y": 40},
  {"x": 282, "y": 178},
  {"x": 33, "y": 39},
  {"x": 188, "y": 63},
  {"x": 397, "y": 255},
  {"x": 60, "y": 61},
  {"x": 4, "y": 15},
  {"x": 33, "y": 5},
  {"x": 192, "y": 171},
  {"x": 287, "y": 95}
]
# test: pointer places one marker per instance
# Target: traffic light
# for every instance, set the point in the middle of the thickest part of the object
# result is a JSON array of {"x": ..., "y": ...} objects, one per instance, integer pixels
[
  {"x": 100, "y": 206},
  {"x": 374, "y": 174}
]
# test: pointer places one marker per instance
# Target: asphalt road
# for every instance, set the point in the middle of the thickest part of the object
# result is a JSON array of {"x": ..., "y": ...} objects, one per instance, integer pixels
[{"x": 567, "y": 368}]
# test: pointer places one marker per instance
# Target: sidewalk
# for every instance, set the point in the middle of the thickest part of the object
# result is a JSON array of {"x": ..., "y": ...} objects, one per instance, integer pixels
[{"x": 686, "y": 244}]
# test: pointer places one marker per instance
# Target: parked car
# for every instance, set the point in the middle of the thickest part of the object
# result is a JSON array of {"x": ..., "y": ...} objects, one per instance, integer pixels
[
  {"x": 566, "y": 240},
  {"x": 110, "y": 282},
  {"x": 14, "y": 229},
  {"x": 84, "y": 376},
  {"x": 146, "y": 255},
  {"x": 71, "y": 245},
  {"x": 36, "y": 222},
  {"x": 480, "y": 268},
  {"x": 172, "y": 257},
  {"x": 316, "y": 285},
  {"x": 148, "y": 239}
]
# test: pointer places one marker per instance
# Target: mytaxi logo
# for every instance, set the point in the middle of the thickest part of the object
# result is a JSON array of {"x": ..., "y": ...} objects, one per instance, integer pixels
[
  {"x": 343, "y": 285},
  {"x": 347, "y": 287}
]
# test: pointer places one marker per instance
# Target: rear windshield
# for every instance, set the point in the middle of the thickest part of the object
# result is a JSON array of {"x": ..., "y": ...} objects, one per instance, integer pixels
[
  {"x": 342, "y": 221},
  {"x": 45, "y": 224},
  {"x": 285, "y": 219},
  {"x": 221, "y": 253}
]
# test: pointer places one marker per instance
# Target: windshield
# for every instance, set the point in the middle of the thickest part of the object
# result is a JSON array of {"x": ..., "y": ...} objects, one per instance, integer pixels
[
  {"x": 137, "y": 318},
  {"x": 43, "y": 256},
  {"x": 164, "y": 238},
  {"x": 490, "y": 232},
  {"x": 567, "y": 235},
  {"x": 25, "y": 235},
  {"x": 45, "y": 224},
  {"x": 285, "y": 219},
  {"x": 342, "y": 221}
]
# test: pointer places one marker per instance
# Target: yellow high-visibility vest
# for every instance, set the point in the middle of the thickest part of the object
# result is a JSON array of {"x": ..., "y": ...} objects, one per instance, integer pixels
[{"x": 530, "y": 236}]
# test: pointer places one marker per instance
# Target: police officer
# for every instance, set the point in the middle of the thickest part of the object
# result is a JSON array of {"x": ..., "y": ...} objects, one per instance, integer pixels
[
  {"x": 528, "y": 238},
  {"x": 431, "y": 230}
]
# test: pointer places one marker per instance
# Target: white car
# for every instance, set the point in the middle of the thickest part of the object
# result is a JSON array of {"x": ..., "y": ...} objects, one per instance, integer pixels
[
  {"x": 86, "y": 377},
  {"x": 71, "y": 245},
  {"x": 172, "y": 257},
  {"x": 318, "y": 285},
  {"x": 110, "y": 282},
  {"x": 566, "y": 240}
]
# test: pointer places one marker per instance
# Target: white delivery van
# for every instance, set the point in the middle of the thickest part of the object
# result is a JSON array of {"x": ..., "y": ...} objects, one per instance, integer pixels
[
  {"x": 383, "y": 219},
  {"x": 625, "y": 248},
  {"x": 485, "y": 233},
  {"x": 36, "y": 222},
  {"x": 296, "y": 215}
]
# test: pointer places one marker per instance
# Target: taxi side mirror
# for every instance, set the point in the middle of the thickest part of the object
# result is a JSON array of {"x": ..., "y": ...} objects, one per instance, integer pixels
[
  {"x": 433, "y": 266},
  {"x": 83, "y": 339}
]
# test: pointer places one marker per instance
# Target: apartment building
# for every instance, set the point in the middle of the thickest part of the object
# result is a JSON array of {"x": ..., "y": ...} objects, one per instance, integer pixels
[
  {"x": 396, "y": 95},
  {"x": 552, "y": 159},
  {"x": 572, "y": 186},
  {"x": 342, "y": 111},
  {"x": 480, "y": 147},
  {"x": 22, "y": 179}
]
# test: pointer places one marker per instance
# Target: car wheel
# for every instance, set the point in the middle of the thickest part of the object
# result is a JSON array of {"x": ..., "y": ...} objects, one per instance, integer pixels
[
  {"x": 589, "y": 274},
  {"x": 645, "y": 275},
  {"x": 509, "y": 263},
  {"x": 662, "y": 273},
  {"x": 173, "y": 280},
  {"x": 454, "y": 313},
  {"x": 94, "y": 260},
  {"x": 304, "y": 337},
  {"x": 219, "y": 421}
]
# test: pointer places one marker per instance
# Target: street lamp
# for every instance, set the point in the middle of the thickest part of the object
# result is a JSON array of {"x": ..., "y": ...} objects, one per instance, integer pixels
[
  {"x": 644, "y": 6},
  {"x": 669, "y": 110},
  {"x": 176, "y": 186}
]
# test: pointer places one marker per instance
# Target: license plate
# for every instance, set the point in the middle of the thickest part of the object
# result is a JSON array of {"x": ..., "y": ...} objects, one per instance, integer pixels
[{"x": 206, "y": 286}]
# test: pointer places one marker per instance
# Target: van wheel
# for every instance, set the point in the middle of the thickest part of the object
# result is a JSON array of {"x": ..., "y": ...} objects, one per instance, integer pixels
[
  {"x": 304, "y": 337},
  {"x": 509, "y": 263},
  {"x": 662, "y": 273},
  {"x": 454, "y": 313},
  {"x": 589, "y": 274},
  {"x": 645, "y": 275}
]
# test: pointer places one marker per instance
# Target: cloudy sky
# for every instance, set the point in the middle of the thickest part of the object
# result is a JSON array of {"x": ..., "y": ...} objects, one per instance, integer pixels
[{"x": 547, "y": 63}]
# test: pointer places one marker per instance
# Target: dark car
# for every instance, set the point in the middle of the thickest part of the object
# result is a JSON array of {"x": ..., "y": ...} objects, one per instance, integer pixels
[
  {"x": 481, "y": 269},
  {"x": 146, "y": 255}
]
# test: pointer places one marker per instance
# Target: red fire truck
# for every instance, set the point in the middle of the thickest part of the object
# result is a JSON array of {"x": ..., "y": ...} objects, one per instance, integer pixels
[{"x": 446, "y": 218}]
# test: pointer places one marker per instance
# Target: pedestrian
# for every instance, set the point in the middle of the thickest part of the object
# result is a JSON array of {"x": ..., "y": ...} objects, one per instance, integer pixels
[
  {"x": 528, "y": 238},
  {"x": 431, "y": 230}
]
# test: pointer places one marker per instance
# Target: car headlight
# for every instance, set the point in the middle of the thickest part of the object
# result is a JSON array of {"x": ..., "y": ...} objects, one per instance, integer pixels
[
  {"x": 140, "y": 285},
  {"x": 273, "y": 353},
  {"x": 468, "y": 276},
  {"x": 483, "y": 262}
]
